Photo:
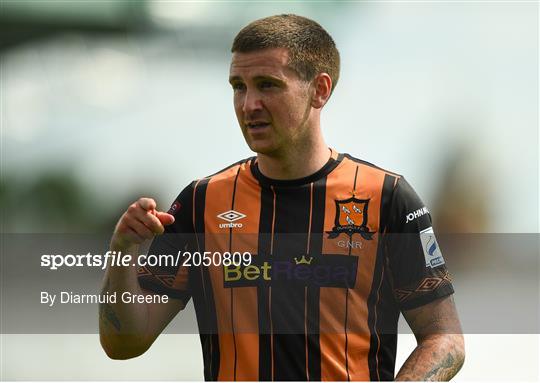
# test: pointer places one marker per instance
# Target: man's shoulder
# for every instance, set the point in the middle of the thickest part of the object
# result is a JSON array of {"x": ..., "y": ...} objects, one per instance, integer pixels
[
  {"x": 226, "y": 174},
  {"x": 229, "y": 172},
  {"x": 354, "y": 161}
]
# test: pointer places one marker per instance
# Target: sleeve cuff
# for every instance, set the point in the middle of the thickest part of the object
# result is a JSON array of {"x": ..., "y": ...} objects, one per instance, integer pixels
[{"x": 424, "y": 299}]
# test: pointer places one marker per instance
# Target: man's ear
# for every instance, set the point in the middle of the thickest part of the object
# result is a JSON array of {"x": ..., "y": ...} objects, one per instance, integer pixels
[{"x": 322, "y": 89}]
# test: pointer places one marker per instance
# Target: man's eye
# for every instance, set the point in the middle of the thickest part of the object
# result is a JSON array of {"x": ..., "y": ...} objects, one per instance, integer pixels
[
  {"x": 266, "y": 84},
  {"x": 238, "y": 86}
]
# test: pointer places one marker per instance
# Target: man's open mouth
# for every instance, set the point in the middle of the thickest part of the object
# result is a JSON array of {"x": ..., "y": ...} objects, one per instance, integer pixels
[{"x": 257, "y": 125}]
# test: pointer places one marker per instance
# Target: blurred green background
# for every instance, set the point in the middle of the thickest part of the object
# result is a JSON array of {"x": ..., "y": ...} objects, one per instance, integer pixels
[
  {"x": 106, "y": 101},
  {"x": 103, "y": 102}
]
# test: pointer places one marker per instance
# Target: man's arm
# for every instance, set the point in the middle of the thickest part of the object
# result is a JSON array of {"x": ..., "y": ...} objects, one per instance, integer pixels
[
  {"x": 440, "y": 352},
  {"x": 128, "y": 329}
]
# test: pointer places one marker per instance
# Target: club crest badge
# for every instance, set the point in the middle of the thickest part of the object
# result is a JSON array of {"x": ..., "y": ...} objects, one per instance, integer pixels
[{"x": 351, "y": 217}]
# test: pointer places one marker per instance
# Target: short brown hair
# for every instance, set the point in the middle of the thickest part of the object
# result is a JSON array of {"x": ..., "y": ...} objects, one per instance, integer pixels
[{"x": 311, "y": 49}]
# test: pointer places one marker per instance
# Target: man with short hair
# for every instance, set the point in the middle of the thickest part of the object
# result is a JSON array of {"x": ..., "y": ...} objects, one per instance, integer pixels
[{"x": 338, "y": 247}]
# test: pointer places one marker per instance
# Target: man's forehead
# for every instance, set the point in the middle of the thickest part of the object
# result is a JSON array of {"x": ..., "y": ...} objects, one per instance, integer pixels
[{"x": 273, "y": 61}]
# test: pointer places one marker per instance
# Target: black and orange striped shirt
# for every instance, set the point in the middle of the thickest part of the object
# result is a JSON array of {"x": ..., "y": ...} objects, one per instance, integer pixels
[{"x": 336, "y": 256}]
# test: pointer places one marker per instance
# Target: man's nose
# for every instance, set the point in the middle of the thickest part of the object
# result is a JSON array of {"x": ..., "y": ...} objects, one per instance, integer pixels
[{"x": 252, "y": 102}]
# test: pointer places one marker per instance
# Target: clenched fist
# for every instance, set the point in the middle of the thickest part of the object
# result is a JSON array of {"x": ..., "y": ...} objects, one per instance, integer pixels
[{"x": 139, "y": 223}]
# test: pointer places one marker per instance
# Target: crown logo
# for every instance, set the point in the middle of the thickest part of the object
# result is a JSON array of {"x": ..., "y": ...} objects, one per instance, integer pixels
[{"x": 303, "y": 260}]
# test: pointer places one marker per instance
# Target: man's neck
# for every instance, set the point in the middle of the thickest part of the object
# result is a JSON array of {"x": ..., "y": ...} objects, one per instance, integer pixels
[{"x": 297, "y": 163}]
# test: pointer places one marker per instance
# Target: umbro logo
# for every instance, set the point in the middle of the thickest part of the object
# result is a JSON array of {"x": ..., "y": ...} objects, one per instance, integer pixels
[{"x": 231, "y": 216}]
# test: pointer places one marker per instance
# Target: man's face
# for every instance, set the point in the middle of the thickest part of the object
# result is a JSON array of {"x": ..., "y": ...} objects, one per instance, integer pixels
[{"x": 271, "y": 102}]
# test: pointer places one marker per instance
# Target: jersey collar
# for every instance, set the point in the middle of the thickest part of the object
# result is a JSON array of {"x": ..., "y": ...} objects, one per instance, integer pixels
[{"x": 330, "y": 165}]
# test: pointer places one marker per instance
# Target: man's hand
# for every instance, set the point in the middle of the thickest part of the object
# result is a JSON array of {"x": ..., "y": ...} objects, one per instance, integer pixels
[
  {"x": 441, "y": 350},
  {"x": 128, "y": 330},
  {"x": 139, "y": 223}
]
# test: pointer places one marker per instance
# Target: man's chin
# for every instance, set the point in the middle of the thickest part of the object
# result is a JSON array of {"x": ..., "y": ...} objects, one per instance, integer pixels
[{"x": 262, "y": 147}]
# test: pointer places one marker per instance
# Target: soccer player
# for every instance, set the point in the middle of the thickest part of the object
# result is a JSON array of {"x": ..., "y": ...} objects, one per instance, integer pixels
[{"x": 339, "y": 247}]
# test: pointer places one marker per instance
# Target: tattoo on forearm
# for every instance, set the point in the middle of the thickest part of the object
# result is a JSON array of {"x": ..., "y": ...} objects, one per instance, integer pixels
[
  {"x": 432, "y": 362},
  {"x": 106, "y": 312},
  {"x": 445, "y": 370}
]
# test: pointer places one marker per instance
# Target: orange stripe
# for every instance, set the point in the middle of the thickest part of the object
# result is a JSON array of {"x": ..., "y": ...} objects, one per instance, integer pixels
[
  {"x": 340, "y": 187},
  {"x": 246, "y": 319},
  {"x": 369, "y": 186},
  {"x": 218, "y": 200}
]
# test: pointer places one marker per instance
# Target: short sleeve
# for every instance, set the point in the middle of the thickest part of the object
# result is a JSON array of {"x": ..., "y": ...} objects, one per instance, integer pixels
[
  {"x": 170, "y": 278},
  {"x": 419, "y": 273}
]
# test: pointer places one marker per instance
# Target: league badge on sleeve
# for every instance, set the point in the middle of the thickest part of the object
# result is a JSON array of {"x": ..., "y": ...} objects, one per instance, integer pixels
[
  {"x": 432, "y": 252},
  {"x": 175, "y": 208}
]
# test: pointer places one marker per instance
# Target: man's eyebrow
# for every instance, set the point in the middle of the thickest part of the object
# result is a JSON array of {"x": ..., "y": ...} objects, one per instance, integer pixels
[
  {"x": 267, "y": 77},
  {"x": 257, "y": 78}
]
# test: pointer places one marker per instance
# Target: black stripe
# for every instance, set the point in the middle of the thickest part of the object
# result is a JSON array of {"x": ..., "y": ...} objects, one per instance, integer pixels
[
  {"x": 386, "y": 198},
  {"x": 373, "y": 357},
  {"x": 199, "y": 207},
  {"x": 232, "y": 289},
  {"x": 313, "y": 294},
  {"x": 347, "y": 302},
  {"x": 265, "y": 230},
  {"x": 203, "y": 297},
  {"x": 386, "y": 327},
  {"x": 288, "y": 299}
]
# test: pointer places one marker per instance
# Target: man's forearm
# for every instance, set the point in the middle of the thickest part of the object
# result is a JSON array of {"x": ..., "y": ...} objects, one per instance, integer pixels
[
  {"x": 122, "y": 326},
  {"x": 437, "y": 358},
  {"x": 122, "y": 318}
]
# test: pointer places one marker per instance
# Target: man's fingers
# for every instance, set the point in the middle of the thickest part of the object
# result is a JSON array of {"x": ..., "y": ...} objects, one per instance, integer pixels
[
  {"x": 147, "y": 203},
  {"x": 151, "y": 221},
  {"x": 147, "y": 217},
  {"x": 165, "y": 218},
  {"x": 140, "y": 228},
  {"x": 141, "y": 222}
]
